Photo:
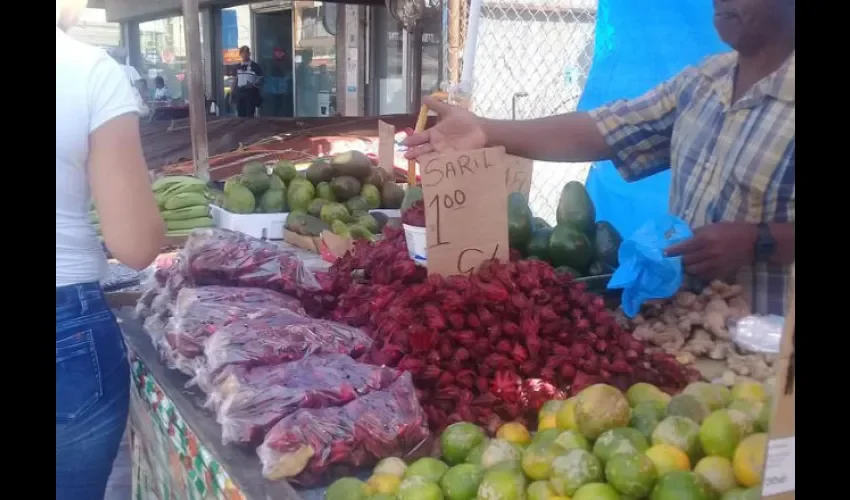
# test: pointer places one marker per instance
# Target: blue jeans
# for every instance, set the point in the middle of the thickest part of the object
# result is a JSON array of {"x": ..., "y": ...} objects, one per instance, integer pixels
[{"x": 92, "y": 391}]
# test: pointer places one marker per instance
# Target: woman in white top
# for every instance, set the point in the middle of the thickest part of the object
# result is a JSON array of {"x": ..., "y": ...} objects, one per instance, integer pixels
[{"x": 98, "y": 156}]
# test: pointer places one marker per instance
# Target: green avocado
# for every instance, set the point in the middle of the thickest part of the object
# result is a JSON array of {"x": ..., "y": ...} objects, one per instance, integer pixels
[
  {"x": 285, "y": 170},
  {"x": 315, "y": 208},
  {"x": 607, "y": 243},
  {"x": 413, "y": 194},
  {"x": 305, "y": 225},
  {"x": 372, "y": 195},
  {"x": 568, "y": 270},
  {"x": 598, "y": 268},
  {"x": 576, "y": 208},
  {"x": 520, "y": 222},
  {"x": 539, "y": 245},
  {"x": 345, "y": 187},
  {"x": 254, "y": 167},
  {"x": 357, "y": 204},
  {"x": 319, "y": 171},
  {"x": 299, "y": 195},
  {"x": 392, "y": 195},
  {"x": 352, "y": 163},
  {"x": 324, "y": 191},
  {"x": 568, "y": 246},
  {"x": 541, "y": 224}
]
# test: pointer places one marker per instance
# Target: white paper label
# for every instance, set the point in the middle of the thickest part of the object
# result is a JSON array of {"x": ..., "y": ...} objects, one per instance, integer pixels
[{"x": 779, "y": 471}]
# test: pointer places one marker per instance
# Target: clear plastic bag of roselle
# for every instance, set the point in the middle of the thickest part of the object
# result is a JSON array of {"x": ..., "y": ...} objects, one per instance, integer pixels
[
  {"x": 199, "y": 312},
  {"x": 214, "y": 256},
  {"x": 274, "y": 336},
  {"x": 249, "y": 401},
  {"x": 305, "y": 446},
  {"x": 153, "y": 298}
]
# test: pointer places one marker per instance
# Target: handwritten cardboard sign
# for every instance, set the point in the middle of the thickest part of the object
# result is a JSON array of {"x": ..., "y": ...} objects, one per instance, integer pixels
[
  {"x": 466, "y": 209},
  {"x": 518, "y": 175},
  {"x": 386, "y": 145}
]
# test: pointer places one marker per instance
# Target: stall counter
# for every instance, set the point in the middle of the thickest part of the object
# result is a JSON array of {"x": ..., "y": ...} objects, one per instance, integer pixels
[{"x": 176, "y": 443}]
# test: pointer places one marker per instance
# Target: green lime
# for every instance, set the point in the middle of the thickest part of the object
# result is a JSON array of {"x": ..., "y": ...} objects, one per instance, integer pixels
[
  {"x": 643, "y": 392},
  {"x": 717, "y": 472},
  {"x": 474, "y": 456},
  {"x": 498, "y": 451},
  {"x": 392, "y": 466},
  {"x": 681, "y": 432},
  {"x": 686, "y": 405},
  {"x": 681, "y": 485},
  {"x": 537, "y": 459},
  {"x": 346, "y": 488},
  {"x": 715, "y": 396},
  {"x": 742, "y": 494},
  {"x": 617, "y": 441},
  {"x": 601, "y": 407},
  {"x": 540, "y": 490},
  {"x": 574, "y": 469},
  {"x": 545, "y": 435},
  {"x": 424, "y": 490},
  {"x": 572, "y": 440},
  {"x": 501, "y": 485},
  {"x": 646, "y": 416},
  {"x": 461, "y": 482},
  {"x": 632, "y": 475},
  {"x": 458, "y": 440},
  {"x": 429, "y": 468},
  {"x": 596, "y": 491},
  {"x": 719, "y": 434}
]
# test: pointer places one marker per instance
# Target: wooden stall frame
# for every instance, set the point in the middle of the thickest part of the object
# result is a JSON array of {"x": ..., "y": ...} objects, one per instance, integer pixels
[{"x": 779, "y": 470}]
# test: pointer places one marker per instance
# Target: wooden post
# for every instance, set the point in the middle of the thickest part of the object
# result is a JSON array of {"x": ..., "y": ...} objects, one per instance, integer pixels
[
  {"x": 778, "y": 474},
  {"x": 197, "y": 104},
  {"x": 454, "y": 41}
]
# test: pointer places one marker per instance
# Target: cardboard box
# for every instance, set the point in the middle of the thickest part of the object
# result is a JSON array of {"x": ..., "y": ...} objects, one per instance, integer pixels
[
  {"x": 779, "y": 478},
  {"x": 328, "y": 245}
]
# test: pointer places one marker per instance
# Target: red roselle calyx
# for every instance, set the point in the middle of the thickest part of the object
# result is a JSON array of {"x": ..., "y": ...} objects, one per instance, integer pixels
[{"x": 481, "y": 347}]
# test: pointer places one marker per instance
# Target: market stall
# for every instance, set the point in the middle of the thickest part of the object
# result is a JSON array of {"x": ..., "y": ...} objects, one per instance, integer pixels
[{"x": 263, "y": 370}]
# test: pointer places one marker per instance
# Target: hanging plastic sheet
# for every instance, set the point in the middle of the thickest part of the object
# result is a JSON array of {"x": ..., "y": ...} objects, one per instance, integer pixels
[{"x": 639, "y": 45}]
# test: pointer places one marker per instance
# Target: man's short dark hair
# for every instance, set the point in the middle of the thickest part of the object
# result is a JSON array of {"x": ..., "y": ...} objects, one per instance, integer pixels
[
  {"x": 159, "y": 80},
  {"x": 244, "y": 49}
]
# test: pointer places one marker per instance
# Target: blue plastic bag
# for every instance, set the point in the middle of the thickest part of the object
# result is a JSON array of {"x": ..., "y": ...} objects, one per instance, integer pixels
[{"x": 644, "y": 272}]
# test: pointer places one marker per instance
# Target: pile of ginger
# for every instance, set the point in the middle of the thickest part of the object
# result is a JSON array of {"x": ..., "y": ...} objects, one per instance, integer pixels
[{"x": 692, "y": 326}]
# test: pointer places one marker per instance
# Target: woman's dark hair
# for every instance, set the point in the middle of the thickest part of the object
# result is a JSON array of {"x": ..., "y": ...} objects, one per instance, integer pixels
[
  {"x": 159, "y": 81},
  {"x": 243, "y": 49}
]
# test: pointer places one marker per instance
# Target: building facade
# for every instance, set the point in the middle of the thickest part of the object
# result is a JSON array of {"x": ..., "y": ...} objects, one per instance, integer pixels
[{"x": 319, "y": 58}]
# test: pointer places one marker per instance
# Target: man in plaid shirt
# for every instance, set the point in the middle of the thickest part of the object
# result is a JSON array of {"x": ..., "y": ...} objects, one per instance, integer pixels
[{"x": 725, "y": 129}]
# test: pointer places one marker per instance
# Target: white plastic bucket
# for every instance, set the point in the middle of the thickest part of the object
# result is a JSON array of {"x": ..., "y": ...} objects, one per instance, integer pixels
[{"x": 417, "y": 246}]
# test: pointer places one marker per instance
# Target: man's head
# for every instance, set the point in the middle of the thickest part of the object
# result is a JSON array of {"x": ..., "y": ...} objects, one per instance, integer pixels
[
  {"x": 159, "y": 82},
  {"x": 749, "y": 25},
  {"x": 68, "y": 13},
  {"x": 245, "y": 53},
  {"x": 323, "y": 68}
]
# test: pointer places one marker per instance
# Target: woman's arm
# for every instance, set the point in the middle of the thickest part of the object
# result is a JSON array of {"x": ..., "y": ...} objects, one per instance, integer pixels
[{"x": 118, "y": 176}]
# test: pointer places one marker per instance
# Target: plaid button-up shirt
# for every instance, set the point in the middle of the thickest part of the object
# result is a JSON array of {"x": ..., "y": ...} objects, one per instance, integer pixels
[{"x": 730, "y": 162}]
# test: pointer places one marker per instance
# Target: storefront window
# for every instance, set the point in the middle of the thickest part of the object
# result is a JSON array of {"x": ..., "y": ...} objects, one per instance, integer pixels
[
  {"x": 163, "y": 46},
  {"x": 392, "y": 58},
  {"x": 315, "y": 58}
]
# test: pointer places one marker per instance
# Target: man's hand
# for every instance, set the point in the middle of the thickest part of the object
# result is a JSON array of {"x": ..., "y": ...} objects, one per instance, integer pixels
[
  {"x": 717, "y": 251},
  {"x": 457, "y": 130}
]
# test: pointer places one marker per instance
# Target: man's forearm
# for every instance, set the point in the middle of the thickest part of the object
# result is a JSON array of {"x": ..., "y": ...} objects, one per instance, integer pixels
[
  {"x": 572, "y": 137},
  {"x": 783, "y": 233}
]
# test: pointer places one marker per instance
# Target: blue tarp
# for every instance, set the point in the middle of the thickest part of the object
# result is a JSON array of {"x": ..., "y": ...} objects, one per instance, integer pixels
[{"x": 638, "y": 46}]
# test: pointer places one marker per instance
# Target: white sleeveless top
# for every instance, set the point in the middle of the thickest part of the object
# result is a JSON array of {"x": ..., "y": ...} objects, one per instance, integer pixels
[{"x": 91, "y": 89}]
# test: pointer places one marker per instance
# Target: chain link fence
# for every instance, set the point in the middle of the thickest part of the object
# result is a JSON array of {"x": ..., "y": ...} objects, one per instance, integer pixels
[{"x": 532, "y": 60}]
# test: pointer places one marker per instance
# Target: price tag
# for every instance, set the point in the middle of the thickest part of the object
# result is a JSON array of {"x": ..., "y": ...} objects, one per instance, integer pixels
[
  {"x": 466, "y": 209},
  {"x": 518, "y": 175},
  {"x": 386, "y": 146},
  {"x": 780, "y": 467}
]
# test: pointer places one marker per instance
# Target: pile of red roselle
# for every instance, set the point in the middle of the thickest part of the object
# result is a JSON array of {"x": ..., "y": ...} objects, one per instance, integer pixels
[{"x": 489, "y": 347}]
